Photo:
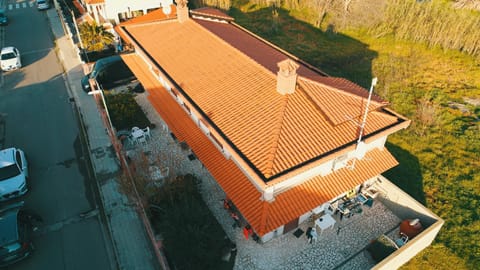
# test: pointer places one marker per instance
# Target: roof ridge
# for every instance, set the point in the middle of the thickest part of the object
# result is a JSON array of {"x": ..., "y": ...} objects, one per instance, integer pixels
[
  {"x": 341, "y": 91},
  {"x": 272, "y": 153},
  {"x": 302, "y": 87},
  {"x": 323, "y": 96},
  {"x": 199, "y": 12}
]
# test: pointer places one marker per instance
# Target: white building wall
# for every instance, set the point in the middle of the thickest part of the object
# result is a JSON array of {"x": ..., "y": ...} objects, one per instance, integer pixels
[
  {"x": 304, "y": 217},
  {"x": 325, "y": 168},
  {"x": 113, "y": 7}
]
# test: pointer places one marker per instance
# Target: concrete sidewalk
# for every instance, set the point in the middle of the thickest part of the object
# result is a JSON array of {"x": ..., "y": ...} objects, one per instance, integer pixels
[{"x": 133, "y": 248}]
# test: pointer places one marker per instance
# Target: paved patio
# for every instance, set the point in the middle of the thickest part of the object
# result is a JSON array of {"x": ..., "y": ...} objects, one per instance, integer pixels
[{"x": 340, "y": 247}]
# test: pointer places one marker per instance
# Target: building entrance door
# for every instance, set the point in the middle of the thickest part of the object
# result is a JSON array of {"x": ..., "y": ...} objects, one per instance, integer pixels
[{"x": 290, "y": 226}]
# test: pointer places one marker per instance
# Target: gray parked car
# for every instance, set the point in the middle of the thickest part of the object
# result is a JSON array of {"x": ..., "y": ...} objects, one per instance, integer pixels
[
  {"x": 3, "y": 17},
  {"x": 15, "y": 234}
]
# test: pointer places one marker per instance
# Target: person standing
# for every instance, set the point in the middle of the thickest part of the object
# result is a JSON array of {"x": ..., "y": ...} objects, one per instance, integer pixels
[{"x": 236, "y": 220}]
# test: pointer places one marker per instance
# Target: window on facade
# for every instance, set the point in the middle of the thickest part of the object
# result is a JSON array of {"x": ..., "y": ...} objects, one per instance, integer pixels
[
  {"x": 216, "y": 140},
  {"x": 123, "y": 16},
  {"x": 174, "y": 92},
  {"x": 137, "y": 13},
  {"x": 187, "y": 108},
  {"x": 203, "y": 126},
  {"x": 151, "y": 9}
]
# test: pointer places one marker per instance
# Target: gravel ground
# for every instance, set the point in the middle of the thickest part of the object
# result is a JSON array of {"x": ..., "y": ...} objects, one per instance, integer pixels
[{"x": 340, "y": 247}]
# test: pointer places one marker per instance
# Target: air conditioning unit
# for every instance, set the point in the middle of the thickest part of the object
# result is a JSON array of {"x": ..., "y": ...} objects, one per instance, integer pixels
[{"x": 340, "y": 162}]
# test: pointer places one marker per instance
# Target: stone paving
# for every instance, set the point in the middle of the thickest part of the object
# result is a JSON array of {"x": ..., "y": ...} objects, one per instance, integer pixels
[{"x": 340, "y": 247}]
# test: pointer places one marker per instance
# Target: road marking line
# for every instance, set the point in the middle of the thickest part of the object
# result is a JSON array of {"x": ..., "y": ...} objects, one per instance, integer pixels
[
  {"x": 24, "y": 5},
  {"x": 37, "y": 51},
  {"x": 44, "y": 229},
  {"x": 17, "y": 5},
  {"x": 10, "y": 7}
]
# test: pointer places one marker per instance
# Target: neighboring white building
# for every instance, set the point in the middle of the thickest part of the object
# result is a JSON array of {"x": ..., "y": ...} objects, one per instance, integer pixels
[{"x": 116, "y": 11}]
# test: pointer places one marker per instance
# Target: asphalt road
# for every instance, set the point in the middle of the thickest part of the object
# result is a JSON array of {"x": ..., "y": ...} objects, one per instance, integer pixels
[{"x": 37, "y": 116}]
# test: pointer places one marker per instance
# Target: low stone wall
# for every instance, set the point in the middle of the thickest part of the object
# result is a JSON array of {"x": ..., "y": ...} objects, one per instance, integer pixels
[{"x": 405, "y": 207}]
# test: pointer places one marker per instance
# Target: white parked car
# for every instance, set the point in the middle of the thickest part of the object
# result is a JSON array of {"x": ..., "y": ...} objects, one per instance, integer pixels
[
  {"x": 10, "y": 59},
  {"x": 13, "y": 173},
  {"x": 42, "y": 4}
]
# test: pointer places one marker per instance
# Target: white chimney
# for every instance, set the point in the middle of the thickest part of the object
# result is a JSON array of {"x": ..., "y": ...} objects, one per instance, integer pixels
[
  {"x": 182, "y": 10},
  {"x": 287, "y": 76}
]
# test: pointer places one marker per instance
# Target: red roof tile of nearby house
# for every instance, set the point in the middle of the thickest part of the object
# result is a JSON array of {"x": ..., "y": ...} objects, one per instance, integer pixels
[
  {"x": 273, "y": 132},
  {"x": 211, "y": 13},
  {"x": 263, "y": 216},
  {"x": 79, "y": 7}
]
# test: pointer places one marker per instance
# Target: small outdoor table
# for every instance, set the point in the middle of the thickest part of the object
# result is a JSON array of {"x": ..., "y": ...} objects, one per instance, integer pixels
[{"x": 324, "y": 222}]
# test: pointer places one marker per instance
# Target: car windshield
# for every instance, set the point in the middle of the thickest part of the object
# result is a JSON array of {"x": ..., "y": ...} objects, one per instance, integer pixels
[
  {"x": 96, "y": 67},
  {"x": 41, "y": 2},
  {"x": 9, "y": 172},
  {"x": 7, "y": 56}
]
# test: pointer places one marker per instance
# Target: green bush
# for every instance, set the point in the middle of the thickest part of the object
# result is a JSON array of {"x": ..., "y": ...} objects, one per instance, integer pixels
[{"x": 124, "y": 111}]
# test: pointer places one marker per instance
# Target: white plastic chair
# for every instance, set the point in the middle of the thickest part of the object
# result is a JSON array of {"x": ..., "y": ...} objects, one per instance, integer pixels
[
  {"x": 142, "y": 139},
  {"x": 159, "y": 175},
  {"x": 165, "y": 172},
  {"x": 135, "y": 129},
  {"x": 146, "y": 131},
  {"x": 402, "y": 240}
]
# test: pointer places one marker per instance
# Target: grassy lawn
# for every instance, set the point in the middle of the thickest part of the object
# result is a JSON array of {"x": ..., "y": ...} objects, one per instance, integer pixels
[
  {"x": 439, "y": 153},
  {"x": 124, "y": 111}
]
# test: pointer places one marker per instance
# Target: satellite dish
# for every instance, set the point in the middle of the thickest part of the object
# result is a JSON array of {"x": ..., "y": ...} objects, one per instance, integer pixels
[
  {"x": 165, "y": 4},
  {"x": 167, "y": 10}
]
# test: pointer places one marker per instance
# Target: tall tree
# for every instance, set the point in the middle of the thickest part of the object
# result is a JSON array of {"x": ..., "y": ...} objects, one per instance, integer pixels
[{"x": 95, "y": 37}]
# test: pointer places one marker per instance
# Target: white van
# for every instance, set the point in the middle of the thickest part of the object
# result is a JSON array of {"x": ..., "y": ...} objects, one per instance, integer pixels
[{"x": 42, "y": 4}]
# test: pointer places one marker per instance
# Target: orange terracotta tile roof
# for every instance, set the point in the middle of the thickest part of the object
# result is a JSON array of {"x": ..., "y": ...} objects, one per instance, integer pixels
[
  {"x": 262, "y": 52},
  {"x": 93, "y": 2},
  {"x": 273, "y": 132},
  {"x": 156, "y": 15},
  {"x": 263, "y": 216}
]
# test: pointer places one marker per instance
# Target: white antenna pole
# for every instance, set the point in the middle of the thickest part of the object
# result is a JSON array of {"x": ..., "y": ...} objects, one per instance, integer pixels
[{"x": 364, "y": 121}]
